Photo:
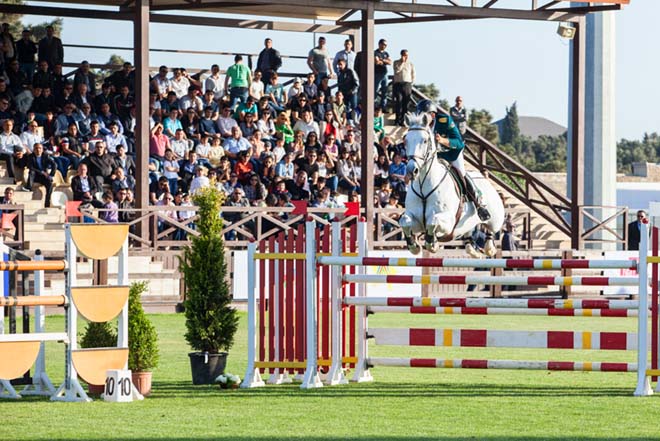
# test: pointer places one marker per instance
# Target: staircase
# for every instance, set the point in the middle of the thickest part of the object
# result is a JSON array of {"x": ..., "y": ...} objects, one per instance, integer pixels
[{"x": 44, "y": 230}]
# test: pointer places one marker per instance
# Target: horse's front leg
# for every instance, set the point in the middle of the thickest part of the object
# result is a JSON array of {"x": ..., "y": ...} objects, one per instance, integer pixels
[
  {"x": 406, "y": 224},
  {"x": 430, "y": 238},
  {"x": 490, "y": 248}
]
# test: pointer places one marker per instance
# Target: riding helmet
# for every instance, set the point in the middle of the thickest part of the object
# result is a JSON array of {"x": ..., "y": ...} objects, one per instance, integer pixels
[{"x": 426, "y": 106}]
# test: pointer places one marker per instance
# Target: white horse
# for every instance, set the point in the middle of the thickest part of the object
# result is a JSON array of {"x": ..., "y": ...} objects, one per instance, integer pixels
[{"x": 434, "y": 206}]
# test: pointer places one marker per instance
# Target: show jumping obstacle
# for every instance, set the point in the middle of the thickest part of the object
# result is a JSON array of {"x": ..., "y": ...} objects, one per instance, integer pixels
[
  {"x": 18, "y": 352},
  {"x": 333, "y": 277}
]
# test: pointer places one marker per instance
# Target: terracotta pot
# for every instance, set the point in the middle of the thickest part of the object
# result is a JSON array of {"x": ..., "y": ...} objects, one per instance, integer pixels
[
  {"x": 95, "y": 389},
  {"x": 142, "y": 382}
]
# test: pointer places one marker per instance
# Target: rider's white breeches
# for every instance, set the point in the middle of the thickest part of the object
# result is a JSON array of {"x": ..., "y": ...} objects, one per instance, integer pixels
[{"x": 459, "y": 164}]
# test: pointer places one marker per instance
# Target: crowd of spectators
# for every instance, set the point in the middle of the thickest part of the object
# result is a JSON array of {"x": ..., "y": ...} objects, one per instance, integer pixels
[{"x": 262, "y": 140}]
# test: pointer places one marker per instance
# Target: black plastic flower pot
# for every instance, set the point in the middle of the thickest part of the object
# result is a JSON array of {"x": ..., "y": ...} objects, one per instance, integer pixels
[{"x": 205, "y": 367}]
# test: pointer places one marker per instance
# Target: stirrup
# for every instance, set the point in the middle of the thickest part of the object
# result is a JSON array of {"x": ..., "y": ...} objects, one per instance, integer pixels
[{"x": 483, "y": 213}]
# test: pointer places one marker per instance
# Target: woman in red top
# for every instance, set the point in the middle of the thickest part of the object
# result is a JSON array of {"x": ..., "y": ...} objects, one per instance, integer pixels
[{"x": 243, "y": 168}]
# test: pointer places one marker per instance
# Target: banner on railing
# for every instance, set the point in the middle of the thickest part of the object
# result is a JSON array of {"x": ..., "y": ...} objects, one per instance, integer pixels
[{"x": 620, "y": 290}]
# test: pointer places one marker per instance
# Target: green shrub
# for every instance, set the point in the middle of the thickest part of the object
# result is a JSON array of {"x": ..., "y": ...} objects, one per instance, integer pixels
[
  {"x": 99, "y": 335},
  {"x": 210, "y": 321},
  {"x": 142, "y": 337}
]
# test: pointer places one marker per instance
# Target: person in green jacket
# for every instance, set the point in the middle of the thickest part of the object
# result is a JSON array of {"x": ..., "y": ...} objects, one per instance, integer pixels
[
  {"x": 240, "y": 78},
  {"x": 449, "y": 137}
]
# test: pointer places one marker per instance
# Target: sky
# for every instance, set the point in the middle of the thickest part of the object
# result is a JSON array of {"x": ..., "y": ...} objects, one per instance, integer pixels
[{"x": 491, "y": 63}]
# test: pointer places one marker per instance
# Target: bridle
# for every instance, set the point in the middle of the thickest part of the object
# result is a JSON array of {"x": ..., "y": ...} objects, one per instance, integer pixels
[{"x": 429, "y": 155}]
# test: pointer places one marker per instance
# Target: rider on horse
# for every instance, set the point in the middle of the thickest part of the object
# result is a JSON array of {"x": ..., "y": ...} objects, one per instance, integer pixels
[{"x": 448, "y": 136}]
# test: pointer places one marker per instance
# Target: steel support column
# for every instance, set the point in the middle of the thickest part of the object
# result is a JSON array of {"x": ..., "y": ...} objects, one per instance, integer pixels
[
  {"x": 367, "y": 95},
  {"x": 141, "y": 57},
  {"x": 578, "y": 48}
]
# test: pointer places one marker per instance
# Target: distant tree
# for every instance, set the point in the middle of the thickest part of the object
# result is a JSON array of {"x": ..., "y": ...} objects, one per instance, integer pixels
[
  {"x": 481, "y": 121},
  {"x": 510, "y": 128},
  {"x": 430, "y": 90},
  {"x": 631, "y": 151},
  {"x": 115, "y": 62}
]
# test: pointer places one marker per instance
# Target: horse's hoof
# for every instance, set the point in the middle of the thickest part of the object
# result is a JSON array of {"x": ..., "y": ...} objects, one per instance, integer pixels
[
  {"x": 490, "y": 249},
  {"x": 473, "y": 252},
  {"x": 414, "y": 249}
]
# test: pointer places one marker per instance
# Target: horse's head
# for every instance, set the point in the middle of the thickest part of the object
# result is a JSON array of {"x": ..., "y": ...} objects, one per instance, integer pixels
[{"x": 420, "y": 145}]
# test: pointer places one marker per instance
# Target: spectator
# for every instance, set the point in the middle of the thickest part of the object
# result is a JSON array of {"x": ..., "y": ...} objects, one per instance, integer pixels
[
  {"x": 180, "y": 146},
  {"x": 30, "y": 136},
  {"x": 7, "y": 43},
  {"x": 187, "y": 169},
  {"x": 158, "y": 189},
  {"x": 114, "y": 138},
  {"x": 8, "y": 140},
  {"x": 100, "y": 165},
  {"x": 105, "y": 97},
  {"x": 381, "y": 173},
  {"x": 325, "y": 89},
  {"x": 285, "y": 168},
  {"x": 124, "y": 161},
  {"x": 307, "y": 124},
  {"x": 298, "y": 144},
  {"x": 42, "y": 78},
  {"x": 59, "y": 81},
  {"x": 299, "y": 105},
  {"x": 236, "y": 143},
  {"x": 239, "y": 76},
  {"x": 320, "y": 107},
  {"x": 41, "y": 169},
  {"x": 215, "y": 152},
  {"x": 180, "y": 82},
  {"x": 191, "y": 100},
  {"x": 330, "y": 148},
  {"x": 123, "y": 103},
  {"x": 244, "y": 108},
  {"x": 17, "y": 78},
  {"x": 208, "y": 101},
  {"x": 382, "y": 60},
  {"x": 200, "y": 181},
  {"x": 190, "y": 125},
  {"x": 267, "y": 171},
  {"x": 125, "y": 77},
  {"x": 312, "y": 142},
  {"x": 278, "y": 150},
  {"x": 105, "y": 118},
  {"x": 634, "y": 231},
  {"x": 257, "y": 89},
  {"x": 384, "y": 193},
  {"x": 94, "y": 135},
  {"x": 329, "y": 126},
  {"x": 339, "y": 109},
  {"x": 275, "y": 93},
  {"x": 213, "y": 83},
  {"x": 226, "y": 123},
  {"x": 348, "y": 83},
  {"x": 171, "y": 170},
  {"x": 50, "y": 48},
  {"x": 347, "y": 55},
  {"x": 206, "y": 123},
  {"x": 299, "y": 188},
  {"x": 158, "y": 142},
  {"x": 397, "y": 174},
  {"x": 283, "y": 127},
  {"x": 243, "y": 167},
  {"x": 349, "y": 143},
  {"x": 295, "y": 90},
  {"x": 110, "y": 212},
  {"x": 266, "y": 125},
  {"x": 249, "y": 126},
  {"x": 319, "y": 61},
  {"x": 171, "y": 124},
  {"x": 309, "y": 87},
  {"x": 26, "y": 49},
  {"x": 162, "y": 83},
  {"x": 85, "y": 76},
  {"x": 379, "y": 122},
  {"x": 71, "y": 151},
  {"x": 65, "y": 119},
  {"x": 255, "y": 191},
  {"x": 459, "y": 115},
  {"x": 269, "y": 61},
  {"x": 509, "y": 238},
  {"x": 85, "y": 119},
  {"x": 236, "y": 199},
  {"x": 125, "y": 205},
  {"x": 404, "y": 77}
]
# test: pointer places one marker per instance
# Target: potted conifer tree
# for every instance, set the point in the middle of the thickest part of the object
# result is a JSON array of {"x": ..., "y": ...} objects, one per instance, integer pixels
[
  {"x": 142, "y": 340},
  {"x": 211, "y": 322}
]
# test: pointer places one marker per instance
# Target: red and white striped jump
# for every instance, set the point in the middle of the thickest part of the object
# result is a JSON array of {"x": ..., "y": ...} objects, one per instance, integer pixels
[
  {"x": 476, "y": 302},
  {"x": 449, "y": 310},
  {"x": 488, "y": 338},
  {"x": 492, "y": 280},
  {"x": 538, "y": 264},
  {"x": 585, "y": 366}
]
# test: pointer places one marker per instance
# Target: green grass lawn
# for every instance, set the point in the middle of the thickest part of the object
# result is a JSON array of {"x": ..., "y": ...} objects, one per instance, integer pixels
[{"x": 408, "y": 404}]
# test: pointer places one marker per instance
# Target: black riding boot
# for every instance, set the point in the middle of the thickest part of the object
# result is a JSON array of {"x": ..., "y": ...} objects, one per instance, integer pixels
[{"x": 472, "y": 193}]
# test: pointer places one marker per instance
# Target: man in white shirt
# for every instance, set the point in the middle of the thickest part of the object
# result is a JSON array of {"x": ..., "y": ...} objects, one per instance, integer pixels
[
  {"x": 31, "y": 136},
  {"x": 8, "y": 139},
  {"x": 307, "y": 124},
  {"x": 347, "y": 54},
  {"x": 161, "y": 83},
  {"x": 191, "y": 99},
  {"x": 114, "y": 138},
  {"x": 213, "y": 83},
  {"x": 404, "y": 77},
  {"x": 199, "y": 181},
  {"x": 180, "y": 83},
  {"x": 179, "y": 144},
  {"x": 226, "y": 123}
]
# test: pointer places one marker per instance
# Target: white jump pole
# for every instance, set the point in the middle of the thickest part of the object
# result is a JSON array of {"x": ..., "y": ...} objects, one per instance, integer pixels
[
  {"x": 362, "y": 373},
  {"x": 643, "y": 382},
  {"x": 311, "y": 379},
  {"x": 336, "y": 373},
  {"x": 252, "y": 374},
  {"x": 70, "y": 390},
  {"x": 41, "y": 384}
]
